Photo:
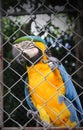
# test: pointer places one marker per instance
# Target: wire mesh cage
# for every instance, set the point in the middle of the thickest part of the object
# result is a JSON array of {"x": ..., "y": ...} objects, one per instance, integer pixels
[{"x": 59, "y": 24}]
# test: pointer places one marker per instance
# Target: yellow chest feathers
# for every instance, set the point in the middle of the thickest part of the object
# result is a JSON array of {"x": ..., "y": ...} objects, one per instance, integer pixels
[{"x": 43, "y": 80}]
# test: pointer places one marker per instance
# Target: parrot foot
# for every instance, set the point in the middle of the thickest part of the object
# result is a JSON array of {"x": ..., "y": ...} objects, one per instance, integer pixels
[
  {"x": 45, "y": 124},
  {"x": 36, "y": 116},
  {"x": 53, "y": 62},
  {"x": 34, "y": 113}
]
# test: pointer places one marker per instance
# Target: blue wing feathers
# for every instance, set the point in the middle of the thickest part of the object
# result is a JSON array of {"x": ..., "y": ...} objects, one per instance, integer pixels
[
  {"x": 71, "y": 93},
  {"x": 27, "y": 95}
]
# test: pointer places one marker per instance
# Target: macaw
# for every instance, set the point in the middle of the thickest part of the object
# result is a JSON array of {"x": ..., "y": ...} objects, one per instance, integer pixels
[{"x": 48, "y": 87}]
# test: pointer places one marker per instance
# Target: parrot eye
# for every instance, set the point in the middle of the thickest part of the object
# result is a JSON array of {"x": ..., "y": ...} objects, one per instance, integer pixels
[
  {"x": 31, "y": 46},
  {"x": 27, "y": 45}
]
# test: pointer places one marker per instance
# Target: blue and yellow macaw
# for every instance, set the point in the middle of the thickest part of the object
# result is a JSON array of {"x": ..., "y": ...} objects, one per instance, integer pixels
[{"x": 49, "y": 88}]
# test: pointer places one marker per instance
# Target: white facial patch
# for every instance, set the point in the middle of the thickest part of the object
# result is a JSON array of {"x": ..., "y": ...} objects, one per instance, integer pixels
[
  {"x": 27, "y": 47},
  {"x": 31, "y": 52}
]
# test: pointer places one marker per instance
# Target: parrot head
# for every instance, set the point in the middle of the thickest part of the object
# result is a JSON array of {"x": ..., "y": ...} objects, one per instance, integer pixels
[{"x": 29, "y": 50}]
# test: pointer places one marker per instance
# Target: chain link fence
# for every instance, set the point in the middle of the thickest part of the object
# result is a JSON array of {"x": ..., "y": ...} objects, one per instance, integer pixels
[{"x": 60, "y": 25}]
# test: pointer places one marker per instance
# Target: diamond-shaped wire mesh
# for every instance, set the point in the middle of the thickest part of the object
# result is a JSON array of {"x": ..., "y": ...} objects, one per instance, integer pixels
[{"x": 59, "y": 24}]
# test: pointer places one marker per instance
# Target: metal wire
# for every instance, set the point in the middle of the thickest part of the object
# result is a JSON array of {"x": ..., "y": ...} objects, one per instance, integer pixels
[{"x": 9, "y": 66}]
